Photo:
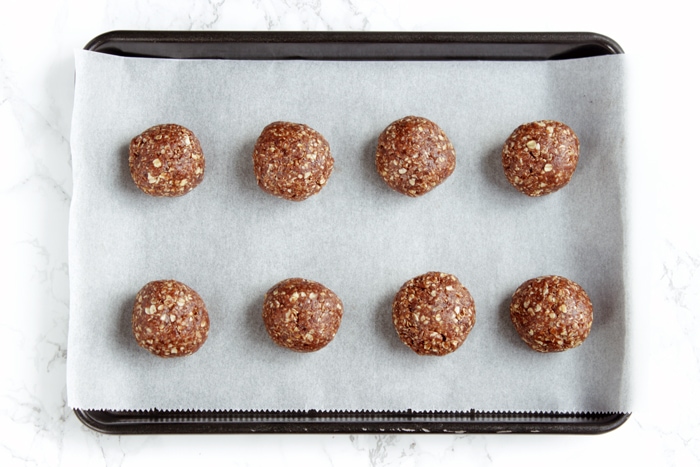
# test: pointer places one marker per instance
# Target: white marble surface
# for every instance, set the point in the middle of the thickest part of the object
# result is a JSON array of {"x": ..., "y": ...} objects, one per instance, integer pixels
[{"x": 37, "y": 40}]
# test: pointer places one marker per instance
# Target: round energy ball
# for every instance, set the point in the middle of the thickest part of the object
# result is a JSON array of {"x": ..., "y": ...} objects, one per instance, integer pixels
[
  {"x": 291, "y": 160},
  {"x": 414, "y": 156},
  {"x": 169, "y": 319},
  {"x": 540, "y": 157},
  {"x": 166, "y": 160},
  {"x": 551, "y": 313},
  {"x": 433, "y": 313},
  {"x": 301, "y": 315}
]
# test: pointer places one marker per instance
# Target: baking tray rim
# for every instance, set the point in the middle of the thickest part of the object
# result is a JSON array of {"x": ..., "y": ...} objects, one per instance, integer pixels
[
  {"x": 356, "y": 45},
  {"x": 340, "y": 422},
  {"x": 352, "y": 422}
]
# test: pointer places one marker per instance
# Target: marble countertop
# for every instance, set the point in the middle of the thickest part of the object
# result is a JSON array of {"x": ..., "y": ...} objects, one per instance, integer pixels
[{"x": 37, "y": 42}]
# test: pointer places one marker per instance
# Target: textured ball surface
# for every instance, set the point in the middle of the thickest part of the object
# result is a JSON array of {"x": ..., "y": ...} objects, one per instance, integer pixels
[
  {"x": 291, "y": 161},
  {"x": 540, "y": 157},
  {"x": 169, "y": 319},
  {"x": 166, "y": 160},
  {"x": 433, "y": 313},
  {"x": 551, "y": 313},
  {"x": 302, "y": 315},
  {"x": 414, "y": 156}
]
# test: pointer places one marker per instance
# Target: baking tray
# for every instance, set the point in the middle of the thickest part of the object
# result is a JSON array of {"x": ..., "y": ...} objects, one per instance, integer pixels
[{"x": 350, "y": 46}]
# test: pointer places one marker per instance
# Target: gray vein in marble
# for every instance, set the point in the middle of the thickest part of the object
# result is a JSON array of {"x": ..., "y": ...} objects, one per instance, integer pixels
[
  {"x": 207, "y": 18},
  {"x": 681, "y": 275},
  {"x": 22, "y": 460},
  {"x": 378, "y": 454},
  {"x": 46, "y": 167},
  {"x": 357, "y": 12}
]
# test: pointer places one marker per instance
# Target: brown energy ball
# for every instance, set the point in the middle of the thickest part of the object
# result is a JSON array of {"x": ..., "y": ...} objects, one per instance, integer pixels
[
  {"x": 169, "y": 319},
  {"x": 540, "y": 157},
  {"x": 551, "y": 313},
  {"x": 414, "y": 156},
  {"x": 291, "y": 160},
  {"x": 166, "y": 160},
  {"x": 301, "y": 315},
  {"x": 433, "y": 313}
]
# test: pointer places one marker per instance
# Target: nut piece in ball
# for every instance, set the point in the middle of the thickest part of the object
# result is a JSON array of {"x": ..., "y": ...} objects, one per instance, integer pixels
[
  {"x": 414, "y": 156},
  {"x": 540, "y": 157},
  {"x": 551, "y": 313},
  {"x": 301, "y": 315},
  {"x": 169, "y": 319},
  {"x": 166, "y": 160},
  {"x": 433, "y": 313},
  {"x": 291, "y": 160}
]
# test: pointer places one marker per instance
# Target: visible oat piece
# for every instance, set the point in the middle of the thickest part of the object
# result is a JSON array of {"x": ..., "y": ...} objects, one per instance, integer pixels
[
  {"x": 291, "y": 160},
  {"x": 166, "y": 160},
  {"x": 302, "y": 315},
  {"x": 414, "y": 156},
  {"x": 540, "y": 157},
  {"x": 433, "y": 313},
  {"x": 551, "y": 313},
  {"x": 169, "y": 319}
]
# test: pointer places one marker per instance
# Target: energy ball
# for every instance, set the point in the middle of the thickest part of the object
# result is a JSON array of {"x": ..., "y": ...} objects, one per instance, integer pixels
[
  {"x": 301, "y": 315},
  {"x": 433, "y": 313},
  {"x": 291, "y": 160},
  {"x": 540, "y": 157},
  {"x": 169, "y": 319},
  {"x": 166, "y": 160},
  {"x": 551, "y": 313},
  {"x": 414, "y": 156}
]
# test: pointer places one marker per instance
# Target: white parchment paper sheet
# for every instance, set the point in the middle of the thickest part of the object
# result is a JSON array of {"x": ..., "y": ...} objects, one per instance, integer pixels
[{"x": 231, "y": 242}]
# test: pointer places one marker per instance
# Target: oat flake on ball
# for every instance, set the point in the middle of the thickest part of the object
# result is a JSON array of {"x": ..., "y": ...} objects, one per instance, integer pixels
[
  {"x": 433, "y": 313},
  {"x": 169, "y": 319},
  {"x": 540, "y": 157},
  {"x": 166, "y": 160},
  {"x": 302, "y": 315},
  {"x": 414, "y": 156},
  {"x": 291, "y": 160},
  {"x": 551, "y": 313}
]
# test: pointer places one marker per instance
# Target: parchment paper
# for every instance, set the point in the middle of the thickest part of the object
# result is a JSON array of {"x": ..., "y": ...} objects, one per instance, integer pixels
[{"x": 231, "y": 242}]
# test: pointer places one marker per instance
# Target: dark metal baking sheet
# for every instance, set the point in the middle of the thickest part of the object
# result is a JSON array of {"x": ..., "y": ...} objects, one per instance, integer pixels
[
  {"x": 150, "y": 422},
  {"x": 350, "y": 46},
  {"x": 353, "y": 45}
]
